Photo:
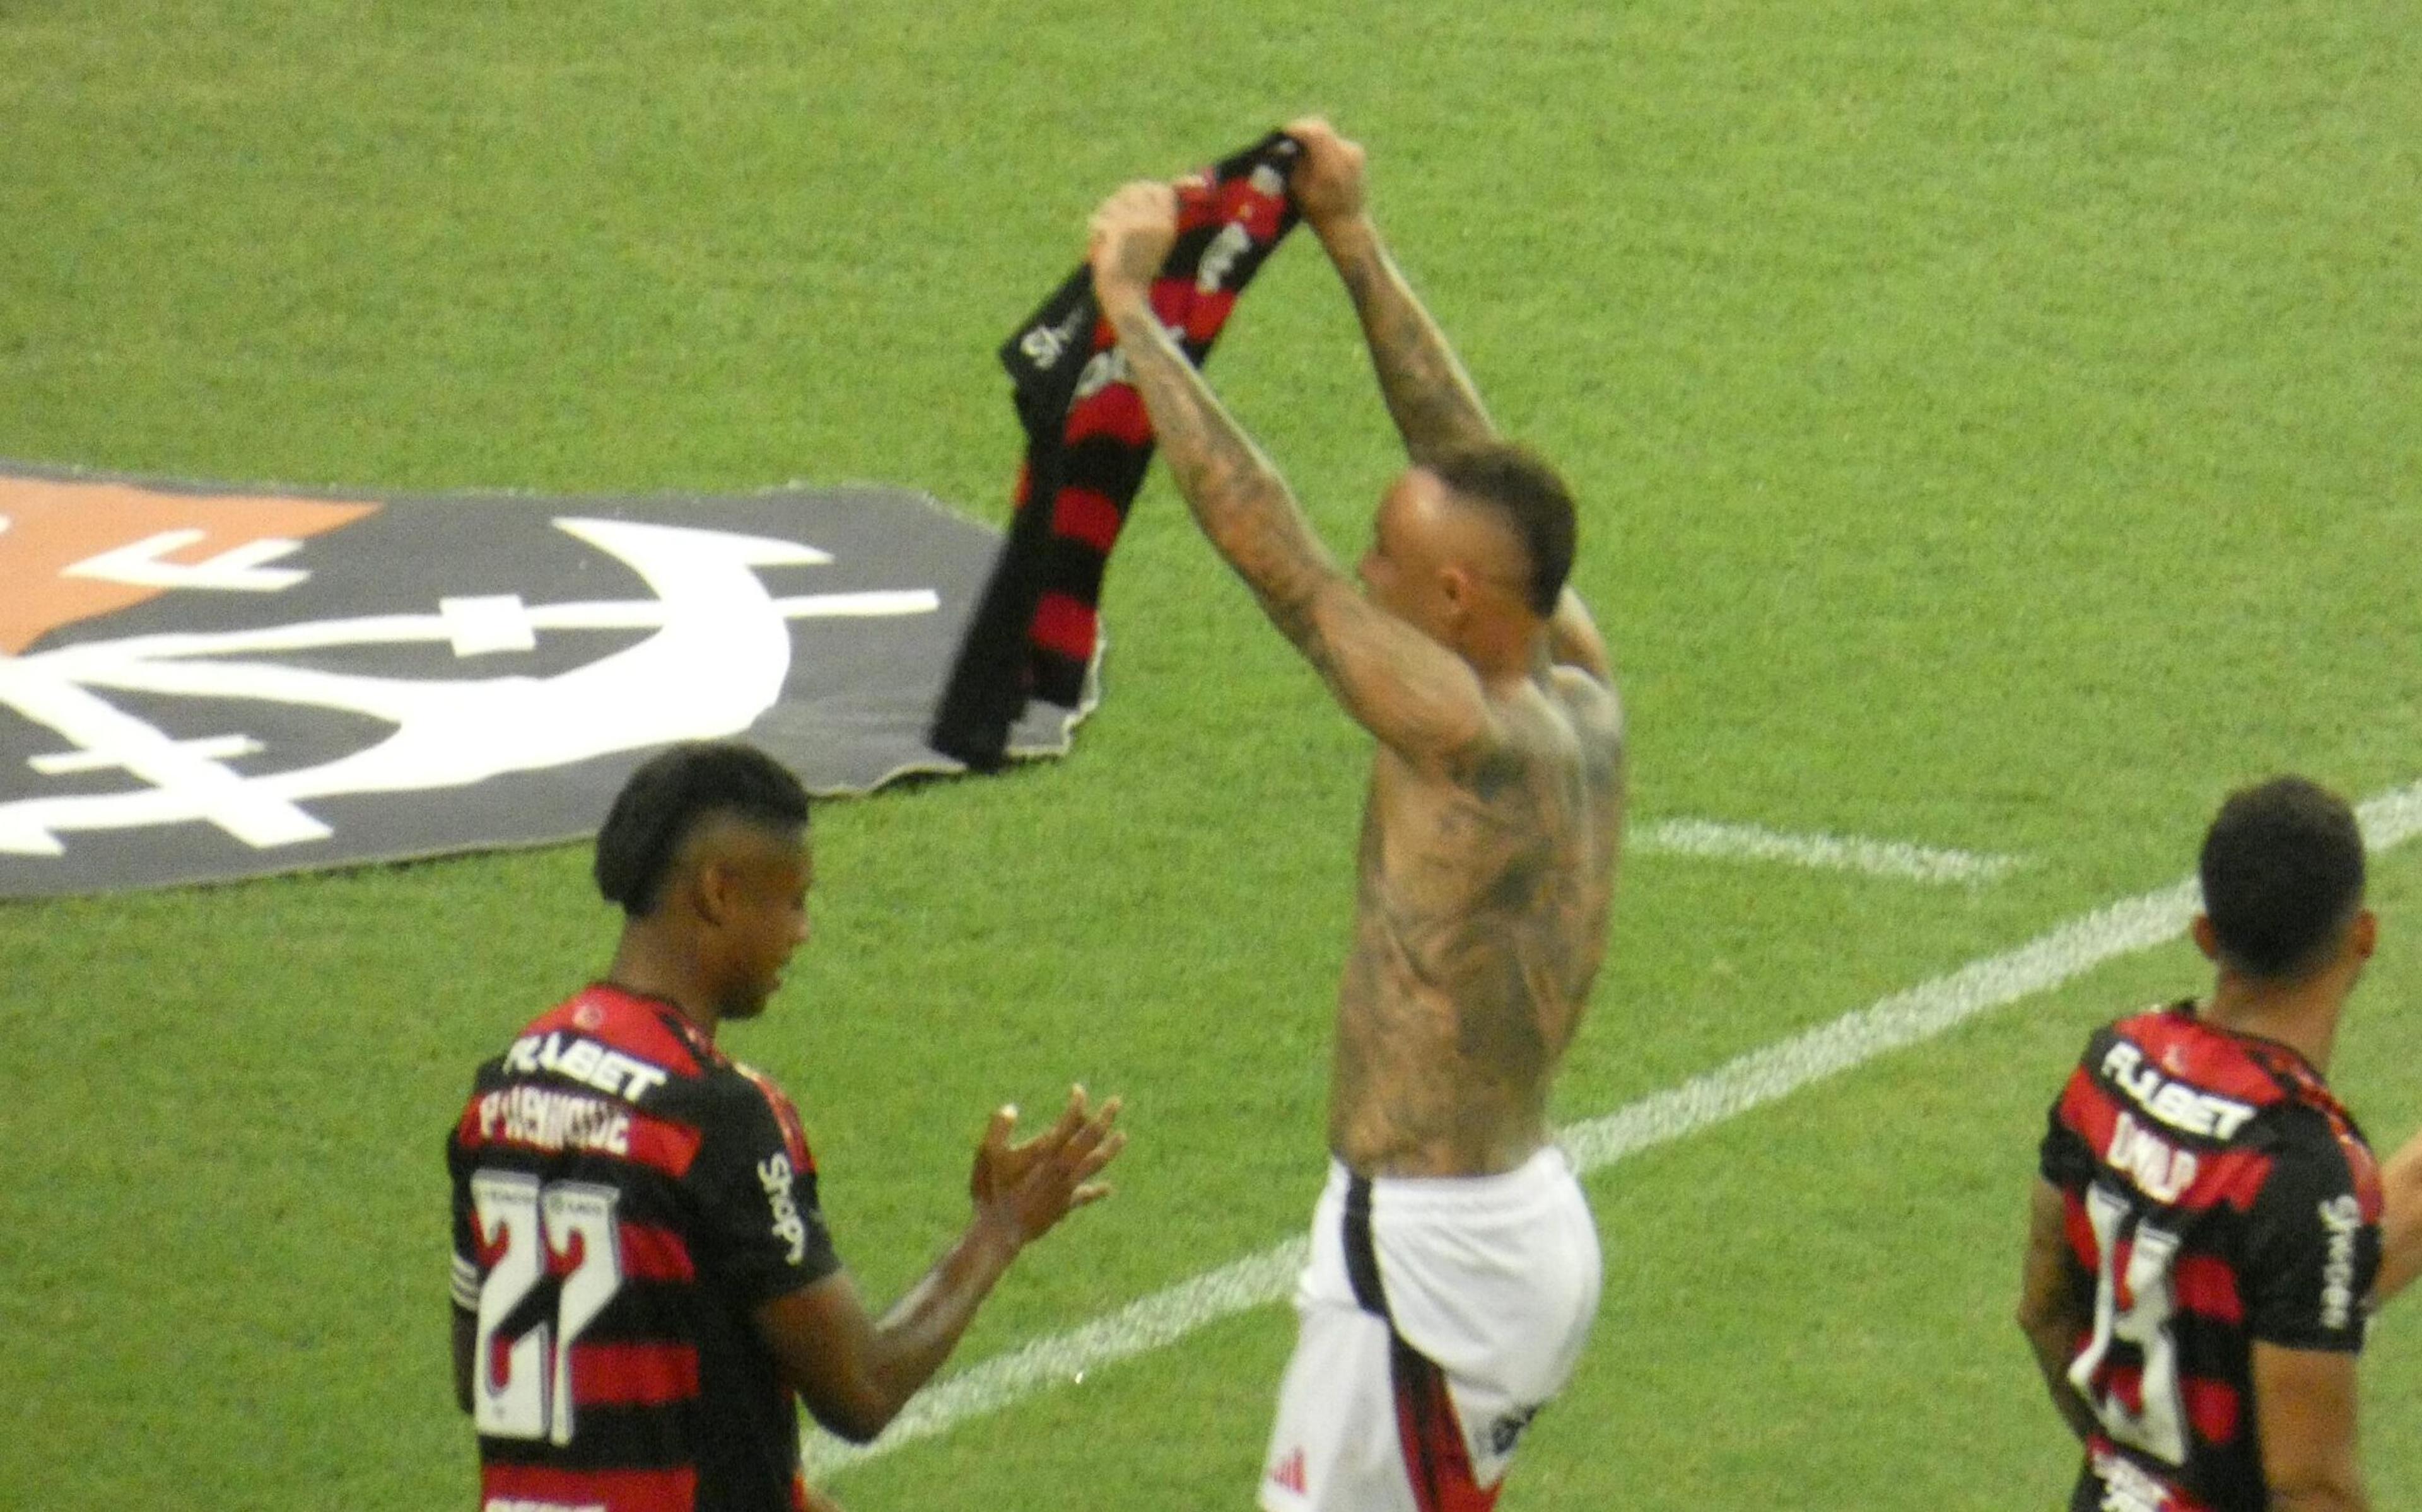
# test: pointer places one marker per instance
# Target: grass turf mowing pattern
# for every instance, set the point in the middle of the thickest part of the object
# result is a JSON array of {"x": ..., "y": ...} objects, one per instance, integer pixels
[{"x": 1996, "y": 427}]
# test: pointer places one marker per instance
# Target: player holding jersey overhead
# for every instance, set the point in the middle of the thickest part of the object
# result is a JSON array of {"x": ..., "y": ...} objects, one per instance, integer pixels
[
  {"x": 1454, "y": 1266},
  {"x": 2206, "y": 1229},
  {"x": 643, "y": 1276}
]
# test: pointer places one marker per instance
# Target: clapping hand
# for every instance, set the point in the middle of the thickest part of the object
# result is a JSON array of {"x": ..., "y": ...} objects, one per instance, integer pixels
[{"x": 1028, "y": 1187}]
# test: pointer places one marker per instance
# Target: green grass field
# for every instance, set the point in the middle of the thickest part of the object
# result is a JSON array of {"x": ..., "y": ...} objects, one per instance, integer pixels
[{"x": 1998, "y": 429}]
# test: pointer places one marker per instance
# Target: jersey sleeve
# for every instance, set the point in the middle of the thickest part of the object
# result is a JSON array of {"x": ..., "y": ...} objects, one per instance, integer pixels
[
  {"x": 2311, "y": 1253},
  {"x": 2063, "y": 1157},
  {"x": 755, "y": 1184}
]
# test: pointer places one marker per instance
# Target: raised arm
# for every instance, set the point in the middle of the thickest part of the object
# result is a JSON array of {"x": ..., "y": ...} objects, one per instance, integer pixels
[
  {"x": 1410, "y": 691},
  {"x": 1429, "y": 394}
]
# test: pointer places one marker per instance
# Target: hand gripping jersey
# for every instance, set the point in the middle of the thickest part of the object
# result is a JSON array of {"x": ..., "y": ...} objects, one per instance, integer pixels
[
  {"x": 2217, "y": 1195},
  {"x": 625, "y": 1196}
]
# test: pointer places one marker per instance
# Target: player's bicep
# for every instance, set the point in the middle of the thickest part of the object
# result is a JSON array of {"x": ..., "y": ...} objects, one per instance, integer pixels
[
  {"x": 2400, "y": 1221},
  {"x": 822, "y": 1339},
  {"x": 1418, "y": 698},
  {"x": 2048, "y": 1307},
  {"x": 2305, "y": 1412}
]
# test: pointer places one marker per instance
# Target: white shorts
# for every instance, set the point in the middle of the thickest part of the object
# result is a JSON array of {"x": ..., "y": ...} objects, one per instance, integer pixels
[{"x": 1437, "y": 1317}]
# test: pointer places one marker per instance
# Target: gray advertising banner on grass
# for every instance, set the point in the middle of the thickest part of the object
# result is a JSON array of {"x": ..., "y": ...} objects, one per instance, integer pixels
[{"x": 202, "y": 683}]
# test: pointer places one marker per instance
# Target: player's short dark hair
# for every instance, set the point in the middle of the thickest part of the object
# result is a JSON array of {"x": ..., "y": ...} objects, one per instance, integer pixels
[
  {"x": 1526, "y": 493},
  {"x": 2282, "y": 870},
  {"x": 667, "y": 799}
]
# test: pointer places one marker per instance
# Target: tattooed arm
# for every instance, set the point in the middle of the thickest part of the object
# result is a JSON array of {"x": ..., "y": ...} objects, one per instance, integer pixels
[
  {"x": 1420, "y": 698},
  {"x": 1429, "y": 394}
]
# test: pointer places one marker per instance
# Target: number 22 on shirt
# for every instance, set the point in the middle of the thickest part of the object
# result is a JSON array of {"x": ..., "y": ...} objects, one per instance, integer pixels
[{"x": 561, "y": 1233}]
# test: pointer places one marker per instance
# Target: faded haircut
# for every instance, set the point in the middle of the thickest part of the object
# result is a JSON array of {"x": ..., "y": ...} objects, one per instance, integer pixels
[
  {"x": 1525, "y": 494},
  {"x": 670, "y": 796},
  {"x": 2282, "y": 870}
]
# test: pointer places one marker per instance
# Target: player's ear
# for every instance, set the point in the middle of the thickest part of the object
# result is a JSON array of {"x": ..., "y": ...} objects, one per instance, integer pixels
[
  {"x": 714, "y": 886},
  {"x": 2363, "y": 936},
  {"x": 2206, "y": 939},
  {"x": 1455, "y": 586}
]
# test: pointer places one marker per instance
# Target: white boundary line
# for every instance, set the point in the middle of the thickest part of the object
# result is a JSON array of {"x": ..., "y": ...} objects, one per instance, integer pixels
[
  {"x": 1741, "y": 1084},
  {"x": 1831, "y": 852}
]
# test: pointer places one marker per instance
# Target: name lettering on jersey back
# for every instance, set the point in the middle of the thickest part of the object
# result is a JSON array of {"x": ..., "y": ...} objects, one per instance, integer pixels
[
  {"x": 774, "y": 1174},
  {"x": 2342, "y": 1218},
  {"x": 543, "y": 1118},
  {"x": 2182, "y": 1107},
  {"x": 2161, "y": 1170},
  {"x": 586, "y": 1061}
]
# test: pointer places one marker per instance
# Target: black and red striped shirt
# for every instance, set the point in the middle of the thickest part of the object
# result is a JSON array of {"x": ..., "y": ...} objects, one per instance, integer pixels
[
  {"x": 2217, "y": 1194},
  {"x": 625, "y": 1196}
]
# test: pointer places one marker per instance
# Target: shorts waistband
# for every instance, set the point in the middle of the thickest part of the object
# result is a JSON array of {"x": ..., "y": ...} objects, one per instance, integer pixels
[{"x": 1547, "y": 1171}]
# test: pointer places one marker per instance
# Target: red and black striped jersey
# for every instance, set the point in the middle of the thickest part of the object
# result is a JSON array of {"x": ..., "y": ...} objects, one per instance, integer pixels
[
  {"x": 625, "y": 1196},
  {"x": 2217, "y": 1194}
]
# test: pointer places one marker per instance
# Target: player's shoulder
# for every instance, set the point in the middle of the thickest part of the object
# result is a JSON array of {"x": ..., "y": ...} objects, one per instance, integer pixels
[
  {"x": 1557, "y": 719},
  {"x": 736, "y": 1098},
  {"x": 1592, "y": 705}
]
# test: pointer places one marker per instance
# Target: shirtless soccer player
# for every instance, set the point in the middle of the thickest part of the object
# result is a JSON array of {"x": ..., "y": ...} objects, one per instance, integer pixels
[{"x": 1454, "y": 1266}]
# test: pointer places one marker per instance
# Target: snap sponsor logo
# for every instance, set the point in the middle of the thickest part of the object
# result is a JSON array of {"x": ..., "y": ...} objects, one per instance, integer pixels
[
  {"x": 585, "y": 1061},
  {"x": 2161, "y": 1170},
  {"x": 2342, "y": 1219},
  {"x": 774, "y": 1174},
  {"x": 2175, "y": 1103},
  {"x": 1046, "y": 344},
  {"x": 547, "y": 1120}
]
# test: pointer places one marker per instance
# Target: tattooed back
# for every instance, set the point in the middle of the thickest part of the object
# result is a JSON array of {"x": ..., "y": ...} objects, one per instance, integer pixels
[{"x": 1480, "y": 923}]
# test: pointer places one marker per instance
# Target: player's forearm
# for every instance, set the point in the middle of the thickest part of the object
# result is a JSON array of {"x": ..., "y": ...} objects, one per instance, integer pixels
[
  {"x": 919, "y": 1332},
  {"x": 2050, "y": 1342},
  {"x": 1429, "y": 394},
  {"x": 1234, "y": 493}
]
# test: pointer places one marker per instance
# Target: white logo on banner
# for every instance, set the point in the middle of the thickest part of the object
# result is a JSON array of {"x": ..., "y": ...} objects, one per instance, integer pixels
[{"x": 717, "y": 658}]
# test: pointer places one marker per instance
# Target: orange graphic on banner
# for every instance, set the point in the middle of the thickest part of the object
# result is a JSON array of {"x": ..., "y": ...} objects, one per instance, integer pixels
[{"x": 75, "y": 551}]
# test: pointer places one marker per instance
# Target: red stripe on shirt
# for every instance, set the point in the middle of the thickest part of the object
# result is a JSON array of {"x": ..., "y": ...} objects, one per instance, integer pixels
[
  {"x": 632, "y": 1375},
  {"x": 653, "y": 1254},
  {"x": 2205, "y": 1286},
  {"x": 2211, "y": 1406},
  {"x": 616, "y": 1490}
]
